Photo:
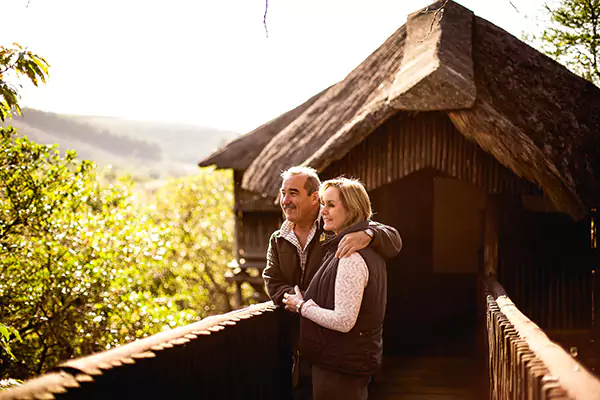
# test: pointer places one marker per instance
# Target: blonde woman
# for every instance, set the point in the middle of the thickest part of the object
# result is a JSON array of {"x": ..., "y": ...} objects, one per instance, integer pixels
[{"x": 343, "y": 308}]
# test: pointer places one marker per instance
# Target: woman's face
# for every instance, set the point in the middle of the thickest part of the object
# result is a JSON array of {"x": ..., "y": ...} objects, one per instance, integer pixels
[{"x": 334, "y": 213}]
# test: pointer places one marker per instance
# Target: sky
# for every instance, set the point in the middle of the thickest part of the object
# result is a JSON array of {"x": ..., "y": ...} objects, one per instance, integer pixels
[{"x": 209, "y": 62}]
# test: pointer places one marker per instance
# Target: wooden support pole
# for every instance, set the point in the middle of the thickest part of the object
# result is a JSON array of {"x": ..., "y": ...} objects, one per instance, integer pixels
[
  {"x": 488, "y": 270},
  {"x": 594, "y": 265},
  {"x": 490, "y": 239}
]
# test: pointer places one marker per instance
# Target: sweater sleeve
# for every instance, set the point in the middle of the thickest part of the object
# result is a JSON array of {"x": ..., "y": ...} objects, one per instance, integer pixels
[{"x": 350, "y": 282}]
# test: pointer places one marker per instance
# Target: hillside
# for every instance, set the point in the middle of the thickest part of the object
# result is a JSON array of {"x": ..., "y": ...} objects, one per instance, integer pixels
[{"x": 154, "y": 148}]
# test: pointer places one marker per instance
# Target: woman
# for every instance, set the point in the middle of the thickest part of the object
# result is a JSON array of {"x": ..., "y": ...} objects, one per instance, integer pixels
[{"x": 343, "y": 307}]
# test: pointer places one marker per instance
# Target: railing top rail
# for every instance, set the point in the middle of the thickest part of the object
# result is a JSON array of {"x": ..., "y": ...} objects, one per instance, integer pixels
[
  {"x": 574, "y": 378},
  {"x": 70, "y": 373},
  {"x": 93, "y": 364}
]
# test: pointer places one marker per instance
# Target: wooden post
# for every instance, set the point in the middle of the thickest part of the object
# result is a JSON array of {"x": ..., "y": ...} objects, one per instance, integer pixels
[
  {"x": 490, "y": 239},
  {"x": 237, "y": 215},
  {"x": 594, "y": 265},
  {"x": 238, "y": 294},
  {"x": 488, "y": 271}
]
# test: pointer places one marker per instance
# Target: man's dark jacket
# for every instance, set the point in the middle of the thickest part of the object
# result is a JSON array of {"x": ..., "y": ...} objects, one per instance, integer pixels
[
  {"x": 359, "y": 350},
  {"x": 283, "y": 270}
]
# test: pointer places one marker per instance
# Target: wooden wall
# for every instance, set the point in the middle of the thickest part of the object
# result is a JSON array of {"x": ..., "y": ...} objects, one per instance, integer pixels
[
  {"x": 409, "y": 143},
  {"x": 545, "y": 268},
  {"x": 541, "y": 256},
  {"x": 257, "y": 217},
  {"x": 546, "y": 274},
  {"x": 254, "y": 230},
  {"x": 246, "y": 201}
]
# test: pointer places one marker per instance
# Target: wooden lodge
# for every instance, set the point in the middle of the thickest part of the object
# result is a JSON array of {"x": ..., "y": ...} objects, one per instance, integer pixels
[
  {"x": 480, "y": 150},
  {"x": 485, "y": 155}
]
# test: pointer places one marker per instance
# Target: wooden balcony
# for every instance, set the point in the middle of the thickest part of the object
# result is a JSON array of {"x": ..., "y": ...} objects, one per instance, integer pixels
[{"x": 245, "y": 355}]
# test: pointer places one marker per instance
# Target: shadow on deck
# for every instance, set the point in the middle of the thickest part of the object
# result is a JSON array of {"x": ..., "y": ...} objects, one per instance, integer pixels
[{"x": 429, "y": 378}]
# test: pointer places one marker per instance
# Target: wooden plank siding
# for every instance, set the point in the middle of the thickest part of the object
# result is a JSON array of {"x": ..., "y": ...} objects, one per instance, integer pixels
[
  {"x": 554, "y": 292},
  {"x": 545, "y": 266},
  {"x": 246, "y": 201},
  {"x": 256, "y": 218},
  {"x": 542, "y": 257},
  {"x": 254, "y": 233},
  {"x": 409, "y": 143}
]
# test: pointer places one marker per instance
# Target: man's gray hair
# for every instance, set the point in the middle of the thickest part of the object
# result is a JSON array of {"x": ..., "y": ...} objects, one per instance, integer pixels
[{"x": 312, "y": 178}]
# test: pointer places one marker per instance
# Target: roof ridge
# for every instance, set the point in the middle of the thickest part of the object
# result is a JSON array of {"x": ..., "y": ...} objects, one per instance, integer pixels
[{"x": 436, "y": 72}]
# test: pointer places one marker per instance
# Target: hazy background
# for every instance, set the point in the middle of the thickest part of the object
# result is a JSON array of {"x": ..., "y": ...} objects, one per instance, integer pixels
[{"x": 177, "y": 78}]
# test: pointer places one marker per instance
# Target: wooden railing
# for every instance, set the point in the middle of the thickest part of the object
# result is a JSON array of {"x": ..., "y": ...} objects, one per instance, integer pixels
[
  {"x": 242, "y": 354},
  {"x": 246, "y": 354},
  {"x": 524, "y": 363}
]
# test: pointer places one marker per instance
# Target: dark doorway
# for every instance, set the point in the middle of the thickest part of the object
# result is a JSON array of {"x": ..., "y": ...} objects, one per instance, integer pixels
[{"x": 432, "y": 284}]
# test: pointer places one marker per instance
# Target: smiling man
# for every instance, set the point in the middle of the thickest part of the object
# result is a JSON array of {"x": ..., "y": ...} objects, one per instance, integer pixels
[{"x": 295, "y": 250}]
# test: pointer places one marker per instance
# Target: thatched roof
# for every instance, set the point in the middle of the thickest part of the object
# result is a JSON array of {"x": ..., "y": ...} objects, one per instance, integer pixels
[
  {"x": 241, "y": 151},
  {"x": 536, "y": 118},
  {"x": 532, "y": 114}
]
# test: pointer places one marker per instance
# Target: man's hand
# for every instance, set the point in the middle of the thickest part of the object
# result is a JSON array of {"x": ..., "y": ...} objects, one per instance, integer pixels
[
  {"x": 352, "y": 243},
  {"x": 291, "y": 300}
]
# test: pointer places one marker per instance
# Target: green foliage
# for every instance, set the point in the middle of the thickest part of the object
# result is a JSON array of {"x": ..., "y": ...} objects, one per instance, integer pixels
[
  {"x": 21, "y": 62},
  {"x": 197, "y": 213},
  {"x": 5, "y": 337},
  {"x": 573, "y": 37},
  {"x": 85, "y": 265}
]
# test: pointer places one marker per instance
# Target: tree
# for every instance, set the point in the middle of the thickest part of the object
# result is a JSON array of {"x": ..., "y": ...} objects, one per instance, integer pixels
[
  {"x": 77, "y": 260},
  {"x": 18, "y": 61},
  {"x": 573, "y": 37},
  {"x": 21, "y": 62},
  {"x": 86, "y": 264},
  {"x": 197, "y": 213}
]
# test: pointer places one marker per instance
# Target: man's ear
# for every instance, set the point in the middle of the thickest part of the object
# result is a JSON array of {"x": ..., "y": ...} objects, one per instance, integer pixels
[{"x": 315, "y": 197}]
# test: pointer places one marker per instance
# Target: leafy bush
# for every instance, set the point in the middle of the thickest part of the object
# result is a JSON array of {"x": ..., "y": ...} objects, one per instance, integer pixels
[
  {"x": 85, "y": 265},
  {"x": 196, "y": 212}
]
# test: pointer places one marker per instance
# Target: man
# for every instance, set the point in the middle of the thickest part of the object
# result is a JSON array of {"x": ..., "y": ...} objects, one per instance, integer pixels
[{"x": 295, "y": 250}]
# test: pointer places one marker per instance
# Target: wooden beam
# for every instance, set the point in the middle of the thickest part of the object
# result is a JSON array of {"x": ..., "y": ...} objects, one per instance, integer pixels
[
  {"x": 490, "y": 238},
  {"x": 595, "y": 271}
]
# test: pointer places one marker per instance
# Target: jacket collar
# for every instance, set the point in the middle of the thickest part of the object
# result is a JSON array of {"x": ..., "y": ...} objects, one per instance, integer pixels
[
  {"x": 286, "y": 223},
  {"x": 335, "y": 240}
]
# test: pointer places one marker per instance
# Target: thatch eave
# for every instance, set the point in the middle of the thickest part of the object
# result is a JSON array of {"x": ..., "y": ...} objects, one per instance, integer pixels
[
  {"x": 536, "y": 118},
  {"x": 239, "y": 152},
  {"x": 529, "y": 112},
  {"x": 347, "y": 101}
]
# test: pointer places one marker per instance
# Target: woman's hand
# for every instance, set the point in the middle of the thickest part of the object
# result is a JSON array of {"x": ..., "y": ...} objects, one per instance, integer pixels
[{"x": 293, "y": 301}]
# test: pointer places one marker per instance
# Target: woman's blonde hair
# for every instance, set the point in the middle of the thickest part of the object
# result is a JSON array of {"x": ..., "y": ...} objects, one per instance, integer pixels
[{"x": 353, "y": 196}]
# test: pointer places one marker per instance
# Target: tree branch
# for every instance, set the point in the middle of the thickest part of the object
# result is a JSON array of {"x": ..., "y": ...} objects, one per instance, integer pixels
[
  {"x": 435, "y": 14},
  {"x": 265, "y": 18},
  {"x": 513, "y": 6}
]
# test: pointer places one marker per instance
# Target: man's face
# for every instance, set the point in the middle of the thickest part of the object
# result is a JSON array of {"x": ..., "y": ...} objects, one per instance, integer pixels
[{"x": 297, "y": 205}]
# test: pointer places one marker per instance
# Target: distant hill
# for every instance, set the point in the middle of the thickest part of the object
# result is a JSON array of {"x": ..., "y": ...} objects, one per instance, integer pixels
[{"x": 158, "y": 148}]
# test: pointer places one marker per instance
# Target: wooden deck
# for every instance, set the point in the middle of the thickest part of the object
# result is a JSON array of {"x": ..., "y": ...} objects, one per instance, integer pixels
[{"x": 429, "y": 378}]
